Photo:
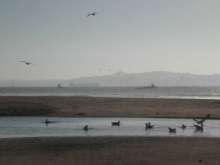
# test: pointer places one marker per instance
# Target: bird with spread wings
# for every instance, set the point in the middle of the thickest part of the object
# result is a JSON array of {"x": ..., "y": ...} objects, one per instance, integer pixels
[
  {"x": 202, "y": 120},
  {"x": 92, "y": 14}
]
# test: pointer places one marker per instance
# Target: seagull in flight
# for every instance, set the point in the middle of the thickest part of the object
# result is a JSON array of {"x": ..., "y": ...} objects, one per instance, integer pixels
[
  {"x": 92, "y": 14},
  {"x": 202, "y": 120},
  {"x": 26, "y": 62}
]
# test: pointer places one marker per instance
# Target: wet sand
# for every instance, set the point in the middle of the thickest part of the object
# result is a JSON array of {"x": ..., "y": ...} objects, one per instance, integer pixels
[
  {"x": 110, "y": 151},
  {"x": 107, "y": 107}
]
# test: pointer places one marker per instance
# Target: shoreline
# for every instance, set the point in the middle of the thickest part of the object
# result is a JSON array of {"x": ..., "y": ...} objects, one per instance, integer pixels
[{"x": 149, "y": 117}]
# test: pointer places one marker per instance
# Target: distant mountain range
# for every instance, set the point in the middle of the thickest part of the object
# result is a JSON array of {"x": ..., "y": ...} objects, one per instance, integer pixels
[{"x": 159, "y": 78}]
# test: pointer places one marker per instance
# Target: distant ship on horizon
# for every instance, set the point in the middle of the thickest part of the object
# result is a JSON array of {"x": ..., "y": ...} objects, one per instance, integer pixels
[
  {"x": 59, "y": 86},
  {"x": 147, "y": 87}
]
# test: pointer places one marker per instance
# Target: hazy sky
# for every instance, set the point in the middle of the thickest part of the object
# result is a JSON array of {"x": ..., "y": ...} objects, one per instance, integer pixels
[{"x": 128, "y": 35}]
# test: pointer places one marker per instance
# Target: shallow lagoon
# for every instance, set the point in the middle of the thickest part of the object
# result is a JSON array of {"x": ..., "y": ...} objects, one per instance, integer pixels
[{"x": 66, "y": 126}]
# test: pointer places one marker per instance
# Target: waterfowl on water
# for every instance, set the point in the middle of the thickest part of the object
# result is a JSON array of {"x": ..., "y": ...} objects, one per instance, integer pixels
[{"x": 116, "y": 123}]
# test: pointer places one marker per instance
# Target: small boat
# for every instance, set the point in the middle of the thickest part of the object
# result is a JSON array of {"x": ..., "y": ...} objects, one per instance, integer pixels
[
  {"x": 148, "y": 87},
  {"x": 59, "y": 86}
]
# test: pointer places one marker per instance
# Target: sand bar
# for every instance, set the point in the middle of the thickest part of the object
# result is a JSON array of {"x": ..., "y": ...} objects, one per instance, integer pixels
[{"x": 107, "y": 107}]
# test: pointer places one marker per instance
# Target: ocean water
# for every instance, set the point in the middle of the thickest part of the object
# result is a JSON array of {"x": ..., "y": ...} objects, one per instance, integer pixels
[
  {"x": 65, "y": 126},
  {"x": 128, "y": 92}
]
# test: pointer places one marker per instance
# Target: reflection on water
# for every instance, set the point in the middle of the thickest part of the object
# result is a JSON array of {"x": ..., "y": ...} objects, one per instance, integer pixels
[{"x": 35, "y": 126}]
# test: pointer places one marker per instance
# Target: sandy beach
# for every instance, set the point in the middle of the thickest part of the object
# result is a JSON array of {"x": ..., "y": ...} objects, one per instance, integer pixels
[
  {"x": 110, "y": 151},
  {"x": 107, "y": 107}
]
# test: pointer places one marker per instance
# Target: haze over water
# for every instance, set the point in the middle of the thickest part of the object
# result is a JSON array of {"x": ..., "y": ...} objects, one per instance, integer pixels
[{"x": 130, "y": 92}]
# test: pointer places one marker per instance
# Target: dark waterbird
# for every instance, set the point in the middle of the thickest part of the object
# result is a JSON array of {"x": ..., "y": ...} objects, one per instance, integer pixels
[
  {"x": 200, "y": 122},
  {"x": 183, "y": 126},
  {"x": 148, "y": 125},
  {"x": 86, "y": 128},
  {"x": 198, "y": 127},
  {"x": 47, "y": 121},
  {"x": 116, "y": 123},
  {"x": 172, "y": 130}
]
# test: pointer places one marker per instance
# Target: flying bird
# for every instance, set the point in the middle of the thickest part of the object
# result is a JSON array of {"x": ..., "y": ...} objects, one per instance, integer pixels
[
  {"x": 202, "y": 120},
  {"x": 27, "y": 63},
  {"x": 91, "y": 14}
]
